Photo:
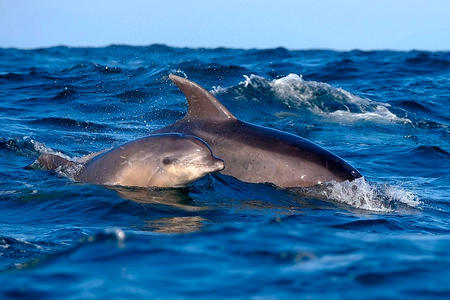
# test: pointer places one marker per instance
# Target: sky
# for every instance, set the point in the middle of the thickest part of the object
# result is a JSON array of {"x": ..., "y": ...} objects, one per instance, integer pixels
[{"x": 313, "y": 24}]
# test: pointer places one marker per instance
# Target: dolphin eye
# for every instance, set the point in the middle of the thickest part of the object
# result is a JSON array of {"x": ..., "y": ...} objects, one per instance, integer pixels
[
  {"x": 169, "y": 160},
  {"x": 166, "y": 161}
]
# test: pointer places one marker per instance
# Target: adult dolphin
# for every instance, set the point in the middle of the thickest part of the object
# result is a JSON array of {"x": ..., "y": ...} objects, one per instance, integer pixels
[
  {"x": 254, "y": 153},
  {"x": 162, "y": 160}
]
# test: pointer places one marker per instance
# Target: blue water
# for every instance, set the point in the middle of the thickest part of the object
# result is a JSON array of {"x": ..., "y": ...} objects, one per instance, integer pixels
[{"x": 386, "y": 113}]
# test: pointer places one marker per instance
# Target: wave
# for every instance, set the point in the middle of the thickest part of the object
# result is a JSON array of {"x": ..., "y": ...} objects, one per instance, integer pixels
[
  {"x": 9, "y": 242},
  {"x": 133, "y": 96},
  {"x": 31, "y": 148},
  {"x": 28, "y": 147},
  {"x": 381, "y": 224},
  {"x": 435, "y": 151},
  {"x": 34, "y": 73},
  {"x": 108, "y": 235},
  {"x": 107, "y": 69},
  {"x": 320, "y": 98},
  {"x": 428, "y": 60},
  {"x": 66, "y": 94},
  {"x": 12, "y": 76},
  {"x": 413, "y": 105},
  {"x": 94, "y": 67},
  {"x": 69, "y": 123},
  {"x": 209, "y": 69},
  {"x": 14, "y": 250},
  {"x": 264, "y": 54}
]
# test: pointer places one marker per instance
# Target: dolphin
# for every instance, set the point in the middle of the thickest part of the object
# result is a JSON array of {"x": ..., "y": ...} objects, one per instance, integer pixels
[
  {"x": 252, "y": 153},
  {"x": 161, "y": 160}
]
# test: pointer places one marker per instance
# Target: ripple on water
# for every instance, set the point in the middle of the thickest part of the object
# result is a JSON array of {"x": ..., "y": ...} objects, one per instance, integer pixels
[{"x": 70, "y": 124}]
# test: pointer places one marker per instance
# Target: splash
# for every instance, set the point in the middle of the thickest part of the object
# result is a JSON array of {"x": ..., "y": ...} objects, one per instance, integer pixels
[
  {"x": 369, "y": 196},
  {"x": 69, "y": 171},
  {"x": 320, "y": 98},
  {"x": 29, "y": 147},
  {"x": 178, "y": 72}
]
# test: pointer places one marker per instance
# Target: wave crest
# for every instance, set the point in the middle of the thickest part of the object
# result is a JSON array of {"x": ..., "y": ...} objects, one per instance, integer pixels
[{"x": 318, "y": 97}]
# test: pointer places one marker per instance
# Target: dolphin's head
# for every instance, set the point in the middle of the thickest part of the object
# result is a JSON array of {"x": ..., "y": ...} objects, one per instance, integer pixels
[{"x": 187, "y": 159}]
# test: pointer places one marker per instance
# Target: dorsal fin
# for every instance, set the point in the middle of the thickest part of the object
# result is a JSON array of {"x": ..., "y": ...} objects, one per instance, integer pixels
[{"x": 202, "y": 104}]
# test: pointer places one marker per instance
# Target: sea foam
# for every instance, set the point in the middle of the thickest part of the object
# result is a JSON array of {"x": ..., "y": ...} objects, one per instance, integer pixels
[
  {"x": 369, "y": 196},
  {"x": 334, "y": 104}
]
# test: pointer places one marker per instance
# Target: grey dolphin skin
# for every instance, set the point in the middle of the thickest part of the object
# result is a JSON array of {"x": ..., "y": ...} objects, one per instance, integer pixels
[
  {"x": 162, "y": 160},
  {"x": 254, "y": 153}
]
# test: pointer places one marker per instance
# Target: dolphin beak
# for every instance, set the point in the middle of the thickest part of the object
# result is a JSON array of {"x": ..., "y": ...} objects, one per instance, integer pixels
[{"x": 219, "y": 165}]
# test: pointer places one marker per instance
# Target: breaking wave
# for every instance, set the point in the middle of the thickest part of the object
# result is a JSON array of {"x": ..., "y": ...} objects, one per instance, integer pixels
[{"x": 318, "y": 97}]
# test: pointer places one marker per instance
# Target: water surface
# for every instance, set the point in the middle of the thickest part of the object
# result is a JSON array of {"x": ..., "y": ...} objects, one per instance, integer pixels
[{"x": 386, "y": 113}]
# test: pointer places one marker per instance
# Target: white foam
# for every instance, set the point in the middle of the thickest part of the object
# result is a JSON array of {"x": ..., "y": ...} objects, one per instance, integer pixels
[
  {"x": 380, "y": 114},
  {"x": 402, "y": 196},
  {"x": 318, "y": 97},
  {"x": 178, "y": 72},
  {"x": 218, "y": 89},
  {"x": 69, "y": 171},
  {"x": 41, "y": 148},
  {"x": 369, "y": 196}
]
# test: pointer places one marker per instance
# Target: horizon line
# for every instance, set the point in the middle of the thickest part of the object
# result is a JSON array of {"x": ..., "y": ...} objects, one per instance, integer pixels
[{"x": 225, "y": 47}]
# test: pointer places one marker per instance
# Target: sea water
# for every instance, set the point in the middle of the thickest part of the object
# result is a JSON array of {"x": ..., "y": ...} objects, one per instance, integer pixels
[{"x": 385, "y": 236}]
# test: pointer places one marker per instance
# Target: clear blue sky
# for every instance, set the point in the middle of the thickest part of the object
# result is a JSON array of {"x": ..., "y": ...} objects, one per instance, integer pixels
[{"x": 338, "y": 24}]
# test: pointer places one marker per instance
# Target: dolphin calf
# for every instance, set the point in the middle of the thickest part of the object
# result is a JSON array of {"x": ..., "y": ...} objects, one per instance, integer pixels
[
  {"x": 162, "y": 160},
  {"x": 254, "y": 153}
]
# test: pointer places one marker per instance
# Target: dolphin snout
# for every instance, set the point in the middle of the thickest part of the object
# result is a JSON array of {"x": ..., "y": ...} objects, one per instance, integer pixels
[{"x": 219, "y": 165}]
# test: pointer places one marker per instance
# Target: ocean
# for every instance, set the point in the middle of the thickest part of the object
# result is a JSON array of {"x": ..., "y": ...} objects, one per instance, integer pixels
[{"x": 385, "y": 236}]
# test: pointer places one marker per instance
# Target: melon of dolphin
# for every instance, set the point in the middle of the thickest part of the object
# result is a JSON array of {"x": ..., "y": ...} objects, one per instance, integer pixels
[{"x": 254, "y": 153}]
